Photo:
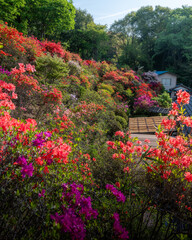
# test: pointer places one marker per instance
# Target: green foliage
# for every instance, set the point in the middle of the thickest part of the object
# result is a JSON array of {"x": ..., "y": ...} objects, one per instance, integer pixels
[
  {"x": 82, "y": 19},
  {"x": 92, "y": 96},
  {"x": 74, "y": 68},
  {"x": 119, "y": 88},
  {"x": 51, "y": 69},
  {"x": 10, "y": 9},
  {"x": 105, "y": 67},
  {"x": 121, "y": 113},
  {"x": 122, "y": 121},
  {"x": 106, "y": 87},
  {"x": 129, "y": 94},
  {"x": 112, "y": 124},
  {"x": 91, "y": 43},
  {"x": 46, "y": 18},
  {"x": 164, "y": 100}
]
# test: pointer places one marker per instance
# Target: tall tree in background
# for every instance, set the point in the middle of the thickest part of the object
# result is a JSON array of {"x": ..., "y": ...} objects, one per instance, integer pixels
[
  {"x": 90, "y": 40},
  {"x": 173, "y": 48},
  {"x": 82, "y": 19},
  {"x": 41, "y": 18},
  {"x": 130, "y": 49},
  {"x": 139, "y": 31},
  {"x": 9, "y": 10}
]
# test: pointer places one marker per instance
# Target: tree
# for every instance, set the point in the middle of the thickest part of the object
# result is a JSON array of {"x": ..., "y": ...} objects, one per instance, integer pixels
[
  {"x": 46, "y": 18},
  {"x": 82, "y": 19},
  {"x": 173, "y": 50},
  {"x": 88, "y": 39},
  {"x": 9, "y": 10},
  {"x": 139, "y": 31}
]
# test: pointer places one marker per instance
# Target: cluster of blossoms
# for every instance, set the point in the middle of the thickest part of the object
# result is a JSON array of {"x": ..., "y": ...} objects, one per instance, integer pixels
[
  {"x": 150, "y": 76},
  {"x": 22, "y": 68},
  {"x": 23, "y": 80},
  {"x": 52, "y": 95},
  {"x": 144, "y": 102},
  {"x": 118, "y": 194},
  {"x": 126, "y": 78},
  {"x": 27, "y": 169},
  {"x": 41, "y": 138},
  {"x": 121, "y": 232},
  {"x": 123, "y": 106},
  {"x": 88, "y": 111},
  {"x": 156, "y": 86},
  {"x": 57, "y": 49},
  {"x": 3, "y": 71},
  {"x": 183, "y": 97},
  {"x": 92, "y": 63},
  {"x": 53, "y": 48},
  {"x": 14, "y": 41},
  {"x": 75, "y": 209},
  {"x": 6, "y": 95},
  {"x": 144, "y": 89}
]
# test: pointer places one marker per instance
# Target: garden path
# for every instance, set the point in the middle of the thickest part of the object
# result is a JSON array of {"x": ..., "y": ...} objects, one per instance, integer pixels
[{"x": 144, "y": 124}]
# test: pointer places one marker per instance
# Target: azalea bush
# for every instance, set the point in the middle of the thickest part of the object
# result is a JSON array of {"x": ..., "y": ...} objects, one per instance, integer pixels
[
  {"x": 143, "y": 103},
  {"x": 69, "y": 168},
  {"x": 47, "y": 178}
]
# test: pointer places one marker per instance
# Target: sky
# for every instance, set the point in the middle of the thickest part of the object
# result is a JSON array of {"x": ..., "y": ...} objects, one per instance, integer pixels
[{"x": 107, "y": 11}]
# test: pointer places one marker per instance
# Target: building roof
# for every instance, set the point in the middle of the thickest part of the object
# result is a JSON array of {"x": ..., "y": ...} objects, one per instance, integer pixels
[
  {"x": 159, "y": 110},
  {"x": 181, "y": 87},
  {"x": 188, "y": 108},
  {"x": 188, "y": 113},
  {"x": 160, "y": 72}
]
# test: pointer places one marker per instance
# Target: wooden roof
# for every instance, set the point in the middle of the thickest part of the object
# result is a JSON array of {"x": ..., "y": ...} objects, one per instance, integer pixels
[
  {"x": 144, "y": 124},
  {"x": 159, "y": 110}
]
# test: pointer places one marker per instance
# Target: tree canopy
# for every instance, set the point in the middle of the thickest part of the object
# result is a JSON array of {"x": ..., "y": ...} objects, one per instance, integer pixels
[{"x": 41, "y": 18}]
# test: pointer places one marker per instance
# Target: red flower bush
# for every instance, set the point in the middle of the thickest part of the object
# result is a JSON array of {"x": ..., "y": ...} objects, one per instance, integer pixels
[
  {"x": 21, "y": 48},
  {"x": 53, "y": 48},
  {"x": 7, "y": 92},
  {"x": 52, "y": 95}
]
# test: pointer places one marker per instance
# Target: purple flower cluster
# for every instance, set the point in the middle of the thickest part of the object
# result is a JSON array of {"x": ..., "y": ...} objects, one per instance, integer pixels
[
  {"x": 119, "y": 195},
  {"x": 78, "y": 207},
  {"x": 144, "y": 102},
  {"x": 41, "y": 138},
  {"x": 118, "y": 229},
  {"x": 42, "y": 194},
  {"x": 27, "y": 169},
  {"x": 71, "y": 223},
  {"x": 123, "y": 106},
  {"x": 3, "y": 71},
  {"x": 13, "y": 142}
]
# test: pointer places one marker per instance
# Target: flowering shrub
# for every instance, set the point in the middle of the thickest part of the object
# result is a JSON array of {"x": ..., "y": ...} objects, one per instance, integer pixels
[
  {"x": 76, "y": 208},
  {"x": 23, "y": 80},
  {"x": 34, "y": 161},
  {"x": 4, "y": 71},
  {"x": 164, "y": 100},
  {"x": 150, "y": 76},
  {"x": 69, "y": 176},
  {"x": 7, "y": 92},
  {"x": 157, "y": 87},
  {"x": 143, "y": 103},
  {"x": 123, "y": 106},
  {"x": 16, "y": 47},
  {"x": 53, "y": 48},
  {"x": 144, "y": 89},
  {"x": 53, "y": 95}
]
